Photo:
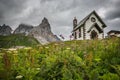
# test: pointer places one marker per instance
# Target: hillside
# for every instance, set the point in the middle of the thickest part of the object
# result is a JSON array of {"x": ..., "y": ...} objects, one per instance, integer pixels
[
  {"x": 42, "y": 32},
  {"x": 70, "y": 60},
  {"x": 17, "y": 40}
]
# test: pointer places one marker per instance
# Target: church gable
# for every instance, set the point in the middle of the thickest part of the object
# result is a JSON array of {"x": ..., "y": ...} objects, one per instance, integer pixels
[
  {"x": 92, "y": 21},
  {"x": 90, "y": 25}
]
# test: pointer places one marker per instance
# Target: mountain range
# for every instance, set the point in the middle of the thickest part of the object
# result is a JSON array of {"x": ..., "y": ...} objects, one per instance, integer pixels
[{"x": 42, "y": 32}]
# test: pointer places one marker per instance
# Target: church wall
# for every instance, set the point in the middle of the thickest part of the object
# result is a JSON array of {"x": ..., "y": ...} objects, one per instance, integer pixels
[
  {"x": 77, "y": 31},
  {"x": 89, "y": 24},
  {"x": 118, "y": 35},
  {"x": 81, "y": 38},
  {"x": 88, "y": 35},
  {"x": 100, "y": 35}
]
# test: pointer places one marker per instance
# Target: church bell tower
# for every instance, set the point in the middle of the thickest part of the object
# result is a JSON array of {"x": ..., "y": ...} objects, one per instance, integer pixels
[{"x": 74, "y": 22}]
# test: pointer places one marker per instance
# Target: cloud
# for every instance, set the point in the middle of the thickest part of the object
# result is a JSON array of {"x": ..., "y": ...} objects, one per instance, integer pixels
[{"x": 60, "y": 13}]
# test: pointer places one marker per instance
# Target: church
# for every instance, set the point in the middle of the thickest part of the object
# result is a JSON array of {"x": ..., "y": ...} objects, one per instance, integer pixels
[{"x": 91, "y": 27}]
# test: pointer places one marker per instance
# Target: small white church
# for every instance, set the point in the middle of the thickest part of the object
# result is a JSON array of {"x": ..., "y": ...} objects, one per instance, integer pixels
[{"x": 91, "y": 27}]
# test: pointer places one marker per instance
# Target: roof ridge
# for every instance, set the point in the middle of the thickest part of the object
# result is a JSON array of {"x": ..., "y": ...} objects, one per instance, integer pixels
[
  {"x": 88, "y": 15},
  {"x": 85, "y": 19}
]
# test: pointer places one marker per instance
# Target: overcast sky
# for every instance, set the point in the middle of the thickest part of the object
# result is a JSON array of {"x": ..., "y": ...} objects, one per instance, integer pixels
[{"x": 60, "y": 13}]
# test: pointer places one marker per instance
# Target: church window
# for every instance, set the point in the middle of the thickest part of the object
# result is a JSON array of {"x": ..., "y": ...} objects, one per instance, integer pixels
[{"x": 93, "y": 19}]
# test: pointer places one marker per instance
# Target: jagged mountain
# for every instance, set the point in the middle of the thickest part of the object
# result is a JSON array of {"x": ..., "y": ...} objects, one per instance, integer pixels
[
  {"x": 5, "y": 30},
  {"x": 23, "y": 29},
  {"x": 43, "y": 33}
]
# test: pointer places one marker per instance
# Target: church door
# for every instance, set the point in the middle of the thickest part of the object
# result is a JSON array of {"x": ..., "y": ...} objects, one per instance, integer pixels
[{"x": 94, "y": 35}]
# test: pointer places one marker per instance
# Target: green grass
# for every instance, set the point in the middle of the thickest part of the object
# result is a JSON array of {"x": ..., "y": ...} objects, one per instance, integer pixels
[
  {"x": 70, "y": 60},
  {"x": 17, "y": 40}
]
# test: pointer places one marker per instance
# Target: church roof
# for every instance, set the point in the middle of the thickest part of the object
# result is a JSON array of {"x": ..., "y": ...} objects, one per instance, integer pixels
[
  {"x": 97, "y": 27},
  {"x": 82, "y": 22},
  {"x": 114, "y": 31}
]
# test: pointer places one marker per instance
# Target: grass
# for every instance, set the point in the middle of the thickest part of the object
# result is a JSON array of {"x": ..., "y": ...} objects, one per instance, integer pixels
[
  {"x": 70, "y": 60},
  {"x": 17, "y": 40}
]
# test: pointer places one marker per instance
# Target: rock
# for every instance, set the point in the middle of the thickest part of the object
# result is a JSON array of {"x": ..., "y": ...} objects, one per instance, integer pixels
[
  {"x": 5, "y": 30},
  {"x": 23, "y": 29},
  {"x": 43, "y": 33}
]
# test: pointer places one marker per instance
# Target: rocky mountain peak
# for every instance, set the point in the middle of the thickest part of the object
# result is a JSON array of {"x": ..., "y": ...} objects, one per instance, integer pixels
[
  {"x": 5, "y": 30},
  {"x": 44, "y": 23},
  {"x": 44, "y": 26},
  {"x": 45, "y": 20},
  {"x": 43, "y": 32},
  {"x": 23, "y": 29}
]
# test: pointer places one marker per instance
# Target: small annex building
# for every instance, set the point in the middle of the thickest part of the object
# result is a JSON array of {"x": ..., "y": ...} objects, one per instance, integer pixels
[{"x": 113, "y": 33}]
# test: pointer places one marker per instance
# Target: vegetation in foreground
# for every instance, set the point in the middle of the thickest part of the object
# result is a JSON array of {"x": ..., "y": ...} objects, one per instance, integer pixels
[
  {"x": 17, "y": 40},
  {"x": 71, "y": 60}
]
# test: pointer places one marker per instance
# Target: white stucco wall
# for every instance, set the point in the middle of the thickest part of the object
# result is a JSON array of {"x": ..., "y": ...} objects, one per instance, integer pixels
[
  {"x": 113, "y": 34},
  {"x": 89, "y": 24},
  {"x": 77, "y": 31},
  {"x": 118, "y": 35}
]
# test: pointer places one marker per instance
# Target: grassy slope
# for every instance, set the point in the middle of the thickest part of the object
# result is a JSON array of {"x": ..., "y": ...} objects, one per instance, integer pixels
[
  {"x": 17, "y": 40},
  {"x": 70, "y": 60}
]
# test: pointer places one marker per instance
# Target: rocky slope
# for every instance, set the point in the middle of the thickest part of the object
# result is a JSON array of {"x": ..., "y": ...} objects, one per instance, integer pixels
[
  {"x": 43, "y": 33},
  {"x": 23, "y": 29},
  {"x": 5, "y": 30}
]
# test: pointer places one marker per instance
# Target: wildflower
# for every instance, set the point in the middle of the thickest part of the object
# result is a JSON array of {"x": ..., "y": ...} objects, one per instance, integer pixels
[
  {"x": 15, "y": 51},
  {"x": 46, "y": 47},
  {"x": 19, "y": 77},
  {"x": 85, "y": 55},
  {"x": 27, "y": 48},
  {"x": 15, "y": 54},
  {"x": 37, "y": 68},
  {"x": 12, "y": 49},
  {"x": 68, "y": 48},
  {"x": 56, "y": 44},
  {"x": 97, "y": 59},
  {"x": 84, "y": 52},
  {"x": 9, "y": 51}
]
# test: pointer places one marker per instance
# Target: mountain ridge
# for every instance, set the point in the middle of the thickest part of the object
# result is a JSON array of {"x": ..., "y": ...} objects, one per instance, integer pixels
[{"x": 41, "y": 32}]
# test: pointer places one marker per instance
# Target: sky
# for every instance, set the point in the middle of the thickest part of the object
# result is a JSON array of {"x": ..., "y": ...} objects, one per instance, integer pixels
[{"x": 60, "y": 13}]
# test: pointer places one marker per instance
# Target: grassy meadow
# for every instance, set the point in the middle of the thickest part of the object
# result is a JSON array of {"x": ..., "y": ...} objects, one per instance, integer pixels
[
  {"x": 17, "y": 40},
  {"x": 70, "y": 60}
]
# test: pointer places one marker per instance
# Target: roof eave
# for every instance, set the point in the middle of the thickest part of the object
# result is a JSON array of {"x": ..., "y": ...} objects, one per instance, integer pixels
[{"x": 77, "y": 27}]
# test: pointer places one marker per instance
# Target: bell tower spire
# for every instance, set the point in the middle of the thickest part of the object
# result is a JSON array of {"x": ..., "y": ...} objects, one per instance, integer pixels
[{"x": 74, "y": 22}]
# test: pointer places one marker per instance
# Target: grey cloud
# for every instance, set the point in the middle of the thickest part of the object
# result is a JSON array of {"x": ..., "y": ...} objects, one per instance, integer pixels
[
  {"x": 113, "y": 10},
  {"x": 60, "y": 13}
]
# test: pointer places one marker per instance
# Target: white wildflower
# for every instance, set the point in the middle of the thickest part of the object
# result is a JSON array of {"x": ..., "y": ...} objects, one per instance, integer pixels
[
  {"x": 68, "y": 48},
  {"x": 27, "y": 48},
  {"x": 37, "y": 68},
  {"x": 12, "y": 49},
  {"x": 47, "y": 47},
  {"x": 56, "y": 44},
  {"x": 19, "y": 77}
]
